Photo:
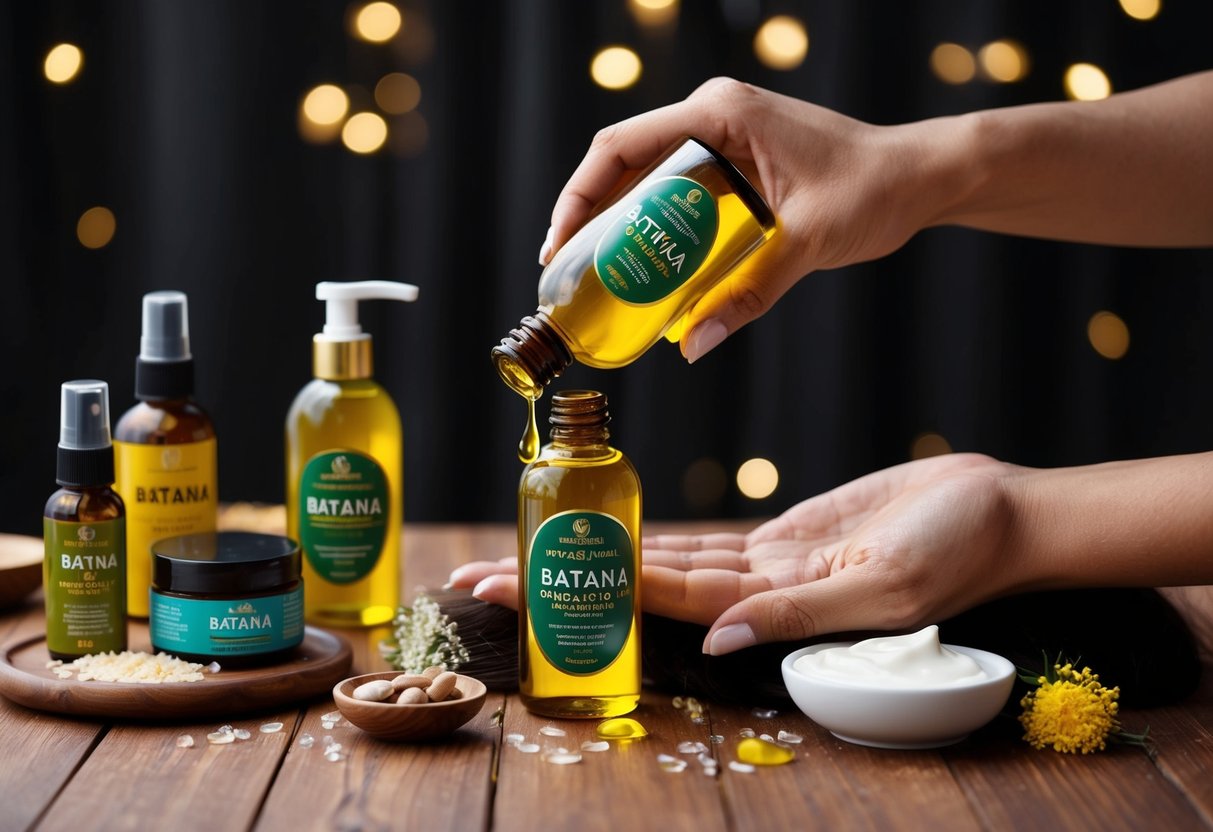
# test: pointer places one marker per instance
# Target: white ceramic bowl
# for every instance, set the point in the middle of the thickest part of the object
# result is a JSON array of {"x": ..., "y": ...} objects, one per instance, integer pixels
[{"x": 926, "y": 717}]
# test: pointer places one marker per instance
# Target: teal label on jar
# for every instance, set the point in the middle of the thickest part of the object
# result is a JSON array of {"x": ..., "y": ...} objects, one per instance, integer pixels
[
  {"x": 659, "y": 242},
  {"x": 84, "y": 578},
  {"x": 580, "y": 585},
  {"x": 242, "y": 627},
  {"x": 343, "y": 510}
]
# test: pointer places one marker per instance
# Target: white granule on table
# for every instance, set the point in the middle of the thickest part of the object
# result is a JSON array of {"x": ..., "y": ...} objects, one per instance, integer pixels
[{"x": 139, "y": 668}]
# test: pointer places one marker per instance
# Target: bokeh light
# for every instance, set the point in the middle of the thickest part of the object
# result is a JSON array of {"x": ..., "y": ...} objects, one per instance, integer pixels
[
  {"x": 397, "y": 92},
  {"x": 1108, "y": 334},
  {"x": 757, "y": 478},
  {"x": 364, "y": 132},
  {"x": 929, "y": 444},
  {"x": 703, "y": 484},
  {"x": 1004, "y": 60},
  {"x": 782, "y": 42},
  {"x": 615, "y": 68},
  {"x": 953, "y": 64},
  {"x": 63, "y": 63},
  {"x": 1141, "y": 9},
  {"x": 377, "y": 22},
  {"x": 326, "y": 104},
  {"x": 653, "y": 13},
  {"x": 96, "y": 227},
  {"x": 1087, "y": 82}
]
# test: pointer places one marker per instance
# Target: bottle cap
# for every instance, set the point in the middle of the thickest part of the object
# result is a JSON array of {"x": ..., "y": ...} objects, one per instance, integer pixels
[
  {"x": 342, "y": 351},
  {"x": 165, "y": 367},
  {"x": 86, "y": 456}
]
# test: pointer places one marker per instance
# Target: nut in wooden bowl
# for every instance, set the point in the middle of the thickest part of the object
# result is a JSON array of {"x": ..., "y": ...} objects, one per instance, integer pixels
[{"x": 392, "y": 720}]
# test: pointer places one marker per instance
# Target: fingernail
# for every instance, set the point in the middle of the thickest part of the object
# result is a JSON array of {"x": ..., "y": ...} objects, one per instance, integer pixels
[
  {"x": 480, "y": 588},
  {"x": 730, "y": 638},
  {"x": 545, "y": 250},
  {"x": 704, "y": 338}
]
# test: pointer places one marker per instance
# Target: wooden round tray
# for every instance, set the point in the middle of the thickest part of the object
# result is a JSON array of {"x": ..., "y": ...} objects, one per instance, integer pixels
[{"x": 321, "y": 661}]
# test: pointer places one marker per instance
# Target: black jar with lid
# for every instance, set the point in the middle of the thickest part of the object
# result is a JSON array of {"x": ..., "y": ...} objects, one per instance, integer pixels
[{"x": 231, "y": 597}]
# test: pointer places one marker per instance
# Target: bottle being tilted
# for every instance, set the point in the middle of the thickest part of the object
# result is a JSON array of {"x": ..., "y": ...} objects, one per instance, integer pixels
[
  {"x": 634, "y": 270},
  {"x": 579, "y": 509}
]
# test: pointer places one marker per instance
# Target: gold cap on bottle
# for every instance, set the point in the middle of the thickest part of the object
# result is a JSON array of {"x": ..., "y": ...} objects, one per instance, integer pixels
[{"x": 341, "y": 360}]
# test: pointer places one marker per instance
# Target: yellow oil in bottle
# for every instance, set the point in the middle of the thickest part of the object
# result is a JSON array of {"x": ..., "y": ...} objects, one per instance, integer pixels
[
  {"x": 342, "y": 423},
  {"x": 579, "y": 514}
]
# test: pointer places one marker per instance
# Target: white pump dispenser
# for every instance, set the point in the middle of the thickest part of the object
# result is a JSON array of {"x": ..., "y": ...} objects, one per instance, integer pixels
[
  {"x": 343, "y": 469},
  {"x": 343, "y": 351}
]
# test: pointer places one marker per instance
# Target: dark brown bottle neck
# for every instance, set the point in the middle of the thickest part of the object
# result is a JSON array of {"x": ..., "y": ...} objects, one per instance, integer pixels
[
  {"x": 579, "y": 418},
  {"x": 531, "y": 356}
]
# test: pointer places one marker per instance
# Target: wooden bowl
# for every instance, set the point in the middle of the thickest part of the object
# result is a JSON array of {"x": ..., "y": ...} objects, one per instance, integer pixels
[
  {"x": 409, "y": 723},
  {"x": 20, "y": 567}
]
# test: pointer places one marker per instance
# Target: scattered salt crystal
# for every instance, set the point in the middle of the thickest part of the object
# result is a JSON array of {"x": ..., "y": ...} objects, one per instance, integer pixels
[
  {"x": 691, "y": 747},
  {"x": 213, "y": 667},
  {"x": 185, "y": 741},
  {"x": 710, "y": 771},
  {"x": 741, "y": 768},
  {"x": 333, "y": 756},
  {"x": 746, "y": 732},
  {"x": 331, "y": 747},
  {"x": 698, "y": 719},
  {"x": 63, "y": 674},
  {"x": 706, "y": 760},
  {"x": 53, "y": 663},
  {"x": 667, "y": 758},
  {"x": 306, "y": 740},
  {"x": 225, "y": 729},
  {"x": 331, "y": 716},
  {"x": 766, "y": 737},
  {"x": 514, "y": 739},
  {"x": 220, "y": 738},
  {"x": 601, "y": 745},
  {"x": 528, "y": 747},
  {"x": 765, "y": 713},
  {"x": 271, "y": 727},
  {"x": 553, "y": 731},
  {"x": 789, "y": 737},
  {"x": 716, "y": 739},
  {"x": 673, "y": 765},
  {"x": 562, "y": 758},
  {"x": 328, "y": 726}
]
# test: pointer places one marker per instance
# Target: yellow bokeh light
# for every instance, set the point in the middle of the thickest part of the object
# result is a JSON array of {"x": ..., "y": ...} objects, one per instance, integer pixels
[
  {"x": 1003, "y": 60},
  {"x": 616, "y": 68},
  {"x": 653, "y": 12},
  {"x": 96, "y": 227},
  {"x": 377, "y": 22},
  {"x": 929, "y": 444},
  {"x": 364, "y": 132},
  {"x": 1108, "y": 334},
  {"x": 397, "y": 93},
  {"x": 757, "y": 478},
  {"x": 1141, "y": 9},
  {"x": 63, "y": 63},
  {"x": 953, "y": 64},
  {"x": 326, "y": 104},
  {"x": 1087, "y": 82},
  {"x": 782, "y": 42}
]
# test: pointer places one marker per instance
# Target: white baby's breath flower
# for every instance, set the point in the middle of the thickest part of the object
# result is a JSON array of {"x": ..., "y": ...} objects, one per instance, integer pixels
[{"x": 423, "y": 636}]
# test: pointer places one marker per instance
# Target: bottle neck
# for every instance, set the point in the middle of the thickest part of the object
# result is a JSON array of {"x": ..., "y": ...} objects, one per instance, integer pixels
[
  {"x": 341, "y": 360},
  {"x": 579, "y": 419},
  {"x": 531, "y": 356}
]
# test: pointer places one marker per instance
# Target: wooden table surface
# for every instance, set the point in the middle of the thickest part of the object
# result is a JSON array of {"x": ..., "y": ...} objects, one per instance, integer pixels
[{"x": 78, "y": 774}]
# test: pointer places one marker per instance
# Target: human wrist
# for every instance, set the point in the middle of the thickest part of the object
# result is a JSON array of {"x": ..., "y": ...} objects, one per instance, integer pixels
[{"x": 952, "y": 163}]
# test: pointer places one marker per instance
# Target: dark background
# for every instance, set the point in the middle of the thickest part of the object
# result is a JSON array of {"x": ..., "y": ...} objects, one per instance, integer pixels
[{"x": 184, "y": 123}]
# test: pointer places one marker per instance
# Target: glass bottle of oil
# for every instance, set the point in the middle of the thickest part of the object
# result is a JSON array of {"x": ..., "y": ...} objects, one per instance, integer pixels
[
  {"x": 84, "y": 530},
  {"x": 343, "y": 469},
  {"x": 165, "y": 452},
  {"x": 634, "y": 270},
  {"x": 579, "y": 510}
]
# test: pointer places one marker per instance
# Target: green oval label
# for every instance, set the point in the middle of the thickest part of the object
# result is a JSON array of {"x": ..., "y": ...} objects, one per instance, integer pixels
[
  {"x": 659, "y": 242},
  {"x": 580, "y": 584},
  {"x": 343, "y": 509}
]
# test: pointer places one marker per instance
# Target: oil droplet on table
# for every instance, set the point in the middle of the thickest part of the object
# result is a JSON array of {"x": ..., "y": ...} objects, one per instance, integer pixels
[
  {"x": 621, "y": 728},
  {"x": 762, "y": 753}
]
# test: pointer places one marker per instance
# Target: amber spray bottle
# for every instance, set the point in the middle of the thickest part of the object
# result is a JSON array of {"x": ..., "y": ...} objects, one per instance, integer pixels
[
  {"x": 84, "y": 531},
  {"x": 631, "y": 274},
  {"x": 579, "y": 509},
  {"x": 165, "y": 453}
]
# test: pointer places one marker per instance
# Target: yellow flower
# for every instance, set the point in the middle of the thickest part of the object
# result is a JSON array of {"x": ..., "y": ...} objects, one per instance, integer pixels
[{"x": 1072, "y": 712}]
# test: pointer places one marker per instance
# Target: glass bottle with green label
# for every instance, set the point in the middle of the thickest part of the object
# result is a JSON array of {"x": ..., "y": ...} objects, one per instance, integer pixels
[
  {"x": 343, "y": 469},
  {"x": 579, "y": 512},
  {"x": 634, "y": 270},
  {"x": 84, "y": 530}
]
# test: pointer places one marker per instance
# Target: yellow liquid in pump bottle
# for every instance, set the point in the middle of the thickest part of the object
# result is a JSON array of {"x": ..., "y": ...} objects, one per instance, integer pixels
[
  {"x": 579, "y": 508},
  {"x": 633, "y": 271}
]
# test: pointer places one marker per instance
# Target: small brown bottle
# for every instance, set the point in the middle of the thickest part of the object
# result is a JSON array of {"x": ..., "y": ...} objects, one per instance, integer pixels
[
  {"x": 84, "y": 530},
  {"x": 579, "y": 508}
]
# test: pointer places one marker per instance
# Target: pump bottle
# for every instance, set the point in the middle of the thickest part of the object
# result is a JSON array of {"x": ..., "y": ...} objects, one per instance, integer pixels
[
  {"x": 343, "y": 469},
  {"x": 165, "y": 451},
  {"x": 84, "y": 529}
]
